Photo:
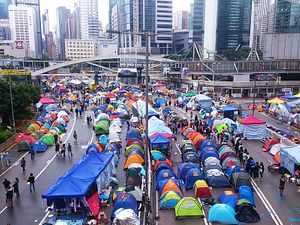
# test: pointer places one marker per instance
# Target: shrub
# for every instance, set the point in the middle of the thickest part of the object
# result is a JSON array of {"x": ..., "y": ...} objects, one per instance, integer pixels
[{"x": 5, "y": 135}]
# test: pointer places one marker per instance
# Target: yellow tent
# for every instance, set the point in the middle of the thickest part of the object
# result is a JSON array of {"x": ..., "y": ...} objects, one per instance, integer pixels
[
  {"x": 276, "y": 101},
  {"x": 297, "y": 95}
]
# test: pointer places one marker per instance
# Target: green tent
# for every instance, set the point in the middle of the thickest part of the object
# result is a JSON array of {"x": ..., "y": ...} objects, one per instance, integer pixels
[
  {"x": 102, "y": 127},
  {"x": 48, "y": 139},
  {"x": 220, "y": 127},
  {"x": 39, "y": 134},
  {"x": 23, "y": 145},
  {"x": 190, "y": 94},
  {"x": 133, "y": 146},
  {"x": 188, "y": 207},
  {"x": 35, "y": 136}
]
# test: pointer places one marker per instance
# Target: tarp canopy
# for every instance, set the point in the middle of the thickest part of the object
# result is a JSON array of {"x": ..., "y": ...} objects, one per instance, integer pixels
[
  {"x": 229, "y": 108},
  {"x": 47, "y": 101},
  {"x": 275, "y": 101},
  {"x": 77, "y": 181},
  {"x": 253, "y": 128},
  {"x": 289, "y": 156},
  {"x": 159, "y": 139},
  {"x": 252, "y": 120}
]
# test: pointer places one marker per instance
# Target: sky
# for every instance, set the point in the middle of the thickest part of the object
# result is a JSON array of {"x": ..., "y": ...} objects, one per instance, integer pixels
[{"x": 51, "y": 5}]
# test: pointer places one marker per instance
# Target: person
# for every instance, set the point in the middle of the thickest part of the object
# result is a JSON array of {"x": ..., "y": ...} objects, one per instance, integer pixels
[
  {"x": 23, "y": 164},
  {"x": 70, "y": 154},
  {"x": 57, "y": 147},
  {"x": 88, "y": 120},
  {"x": 281, "y": 184},
  {"x": 9, "y": 197},
  {"x": 128, "y": 124},
  {"x": 191, "y": 114},
  {"x": 75, "y": 136},
  {"x": 63, "y": 150},
  {"x": 32, "y": 154},
  {"x": 76, "y": 111},
  {"x": 55, "y": 137},
  {"x": 261, "y": 170},
  {"x": 256, "y": 170},
  {"x": 16, "y": 187},
  {"x": 31, "y": 180},
  {"x": 80, "y": 112},
  {"x": 6, "y": 184}
]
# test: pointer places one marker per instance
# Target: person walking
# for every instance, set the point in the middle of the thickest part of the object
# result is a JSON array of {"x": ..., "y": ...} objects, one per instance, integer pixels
[
  {"x": 23, "y": 164},
  {"x": 63, "y": 150},
  {"x": 57, "y": 147},
  {"x": 256, "y": 170},
  {"x": 76, "y": 111},
  {"x": 6, "y": 184},
  {"x": 55, "y": 137},
  {"x": 16, "y": 187},
  {"x": 31, "y": 180},
  {"x": 75, "y": 136},
  {"x": 9, "y": 197},
  {"x": 32, "y": 154},
  {"x": 281, "y": 184},
  {"x": 69, "y": 148},
  {"x": 261, "y": 170}
]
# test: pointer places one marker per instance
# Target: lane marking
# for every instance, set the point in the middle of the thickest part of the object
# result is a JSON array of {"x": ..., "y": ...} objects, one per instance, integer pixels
[
  {"x": 3, "y": 210},
  {"x": 156, "y": 208},
  {"x": 205, "y": 218},
  {"x": 267, "y": 204},
  {"x": 41, "y": 223},
  {"x": 93, "y": 134},
  {"x": 178, "y": 149},
  {"x": 16, "y": 163}
]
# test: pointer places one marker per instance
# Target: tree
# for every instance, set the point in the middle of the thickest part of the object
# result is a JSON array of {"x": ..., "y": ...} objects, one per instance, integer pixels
[
  {"x": 232, "y": 55},
  {"x": 23, "y": 94}
]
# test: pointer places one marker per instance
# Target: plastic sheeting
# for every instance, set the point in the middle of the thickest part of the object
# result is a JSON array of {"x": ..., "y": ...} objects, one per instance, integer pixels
[{"x": 289, "y": 156}]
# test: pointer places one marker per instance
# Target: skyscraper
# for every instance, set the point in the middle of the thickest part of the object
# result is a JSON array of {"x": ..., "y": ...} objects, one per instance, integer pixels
[
  {"x": 62, "y": 15},
  {"x": 112, "y": 3},
  {"x": 180, "y": 20},
  {"x": 287, "y": 16},
  {"x": 233, "y": 24},
  {"x": 45, "y": 22},
  {"x": 35, "y": 4},
  {"x": 89, "y": 20},
  {"x": 74, "y": 24},
  {"x": 198, "y": 21},
  {"x": 22, "y": 20},
  {"x": 4, "y": 22}
]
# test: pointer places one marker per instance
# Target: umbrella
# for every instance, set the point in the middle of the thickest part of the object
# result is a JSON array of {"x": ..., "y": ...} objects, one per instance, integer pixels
[{"x": 157, "y": 155}]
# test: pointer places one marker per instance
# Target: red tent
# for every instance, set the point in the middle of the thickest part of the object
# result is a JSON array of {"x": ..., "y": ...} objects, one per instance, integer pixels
[
  {"x": 47, "y": 101},
  {"x": 110, "y": 95},
  {"x": 252, "y": 120}
]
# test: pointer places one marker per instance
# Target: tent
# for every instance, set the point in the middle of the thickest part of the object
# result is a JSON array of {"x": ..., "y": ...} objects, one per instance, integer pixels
[
  {"x": 162, "y": 166},
  {"x": 275, "y": 149},
  {"x": 159, "y": 142},
  {"x": 183, "y": 168},
  {"x": 245, "y": 192},
  {"x": 245, "y": 212},
  {"x": 191, "y": 177},
  {"x": 133, "y": 134},
  {"x": 47, "y": 101},
  {"x": 201, "y": 189},
  {"x": 275, "y": 101},
  {"x": 190, "y": 157},
  {"x": 188, "y": 207},
  {"x": 133, "y": 176},
  {"x": 158, "y": 162},
  {"x": 135, "y": 158},
  {"x": 39, "y": 146},
  {"x": 157, "y": 155},
  {"x": 164, "y": 174},
  {"x": 48, "y": 139},
  {"x": 289, "y": 157},
  {"x": 133, "y": 146},
  {"x": 207, "y": 143},
  {"x": 253, "y": 128},
  {"x": 23, "y": 145},
  {"x": 229, "y": 111},
  {"x": 222, "y": 213},
  {"x": 229, "y": 198},
  {"x": 216, "y": 178},
  {"x": 102, "y": 127},
  {"x": 171, "y": 184},
  {"x": 125, "y": 201},
  {"x": 169, "y": 200}
]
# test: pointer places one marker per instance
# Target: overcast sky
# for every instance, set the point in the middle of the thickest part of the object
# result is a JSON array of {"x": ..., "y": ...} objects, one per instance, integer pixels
[{"x": 51, "y": 5}]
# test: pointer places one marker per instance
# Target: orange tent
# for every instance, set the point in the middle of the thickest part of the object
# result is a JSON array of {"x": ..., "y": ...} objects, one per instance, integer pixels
[
  {"x": 189, "y": 135},
  {"x": 45, "y": 130},
  {"x": 133, "y": 159},
  {"x": 277, "y": 157},
  {"x": 100, "y": 148},
  {"x": 185, "y": 128},
  {"x": 161, "y": 161},
  {"x": 171, "y": 186}
]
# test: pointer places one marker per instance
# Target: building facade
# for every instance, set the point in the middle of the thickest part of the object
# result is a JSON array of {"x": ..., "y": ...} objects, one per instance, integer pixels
[
  {"x": 233, "y": 24},
  {"x": 180, "y": 20},
  {"x": 62, "y": 15},
  {"x": 22, "y": 20},
  {"x": 4, "y": 20},
  {"x": 11, "y": 48},
  {"x": 198, "y": 21},
  {"x": 51, "y": 47},
  {"x": 287, "y": 16},
  {"x": 80, "y": 48},
  {"x": 106, "y": 47},
  {"x": 73, "y": 24},
  {"x": 89, "y": 19},
  {"x": 180, "y": 40},
  {"x": 112, "y": 3}
]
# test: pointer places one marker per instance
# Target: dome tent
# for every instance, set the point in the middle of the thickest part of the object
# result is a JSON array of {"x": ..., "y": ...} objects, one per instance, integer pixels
[{"x": 188, "y": 207}]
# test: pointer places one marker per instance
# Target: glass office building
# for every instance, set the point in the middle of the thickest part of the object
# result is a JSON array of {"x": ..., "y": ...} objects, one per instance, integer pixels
[{"x": 198, "y": 21}]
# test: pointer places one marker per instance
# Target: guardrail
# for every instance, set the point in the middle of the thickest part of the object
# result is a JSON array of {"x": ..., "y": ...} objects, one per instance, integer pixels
[
  {"x": 4, "y": 146},
  {"x": 285, "y": 141}
]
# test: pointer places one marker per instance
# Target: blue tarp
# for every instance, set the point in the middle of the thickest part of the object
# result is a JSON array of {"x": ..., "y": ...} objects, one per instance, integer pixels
[
  {"x": 77, "y": 181},
  {"x": 159, "y": 139},
  {"x": 289, "y": 156},
  {"x": 39, "y": 146},
  {"x": 229, "y": 108}
]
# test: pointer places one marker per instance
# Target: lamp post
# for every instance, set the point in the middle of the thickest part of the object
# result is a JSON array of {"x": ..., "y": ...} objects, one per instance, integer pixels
[
  {"x": 12, "y": 105},
  {"x": 254, "y": 94}
]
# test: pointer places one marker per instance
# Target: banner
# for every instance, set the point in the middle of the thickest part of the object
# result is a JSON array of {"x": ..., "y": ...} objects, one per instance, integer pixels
[{"x": 10, "y": 72}]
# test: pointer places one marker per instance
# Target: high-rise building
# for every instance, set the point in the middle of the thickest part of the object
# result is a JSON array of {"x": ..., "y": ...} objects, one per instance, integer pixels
[
  {"x": 4, "y": 21},
  {"x": 180, "y": 20},
  {"x": 163, "y": 30},
  {"x": 22, "y": 20},
  {"x": 198, "y": 21},
  {"x": 287, "y": 16},
  {"x": 112, "y": 3},
  {"x": 62, "y": 15},
  {"x": 89, "y": 20},
  {"x": 74, "y": 24},
  {"x": 45, "y": 22},
  {"x": 233, "y": 24},
  {"x": 35, "y": 4},
  {"x": 51, "y": 47}
]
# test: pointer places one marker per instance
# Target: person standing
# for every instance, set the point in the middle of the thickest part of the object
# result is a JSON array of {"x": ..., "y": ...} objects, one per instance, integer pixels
[
  {"x": 57, "y": 147},
  {"x": 75, "y": 136},
  {"x": 256, "y": 171},
  {"x": 23, "y": 164},
  {"x": 63, "y": 150},
  {"x": 9, "y": 197},
  {"x": 69, "y": 148},
  {"x": 261, "y": 170},
  {"x": 16, "y": 187},
  {"x": 55, "y": 137},
  {"x": 31, "y": 180},
  {"x": 281, "y": 184},
  {"x": 6, "y": 184}
]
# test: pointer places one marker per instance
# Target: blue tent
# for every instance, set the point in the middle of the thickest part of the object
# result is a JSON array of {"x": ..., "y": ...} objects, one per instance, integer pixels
[
  {"x": 133, "y": 134},
  {"x": 228, "y": 198},
  {"x": 159, "y": 102},
  {"x": 125, "y": 201},
  {"x": 164, "y": 174},
  {"x": 169, "y": 200},
  {"x": 39, "y": 146},
  {"x": 191, "y": 176},
  {"x": 162, "y": 166},
  {"x": 183, "y": 168},
  {"x": 190, "y": 157},
  {"x": 245, "y": 192},
  {"x": 78, "y": 180},
  {"x": 232, "y": 170},
  {"x": 159, "y": 140},
  {"x": 91, "y": 148},
  {"x": 103, "y": 139},
  {"x": 229, "y": 108},
  {"x": 222, "y": 213},
  {"x": 208, "y": 153},
  {"x": 207, "y": 143},
  {"x": 217, "y": 179},
  {"x": 152, "y": 113},
  {"x": 161, "y": 184},
  {"x": 289, "y": 156}
]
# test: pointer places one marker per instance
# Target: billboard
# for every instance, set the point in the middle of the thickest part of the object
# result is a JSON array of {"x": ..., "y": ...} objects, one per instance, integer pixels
[{"x": 11, "y": 72}]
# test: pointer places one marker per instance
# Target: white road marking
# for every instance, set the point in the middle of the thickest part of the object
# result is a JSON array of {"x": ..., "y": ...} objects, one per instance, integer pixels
[
  {"x": 270, "y": 161},
  {"x": 178, "y": 149},
  {"x": 267, "y": 204},
  {"x": 93, "y": 134},
  {"x": 3, "y": 210},
  {"x": 205, "y": 219},
  {"x": 42, "y": 221},
  {"x": 16, "y": 163}
]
